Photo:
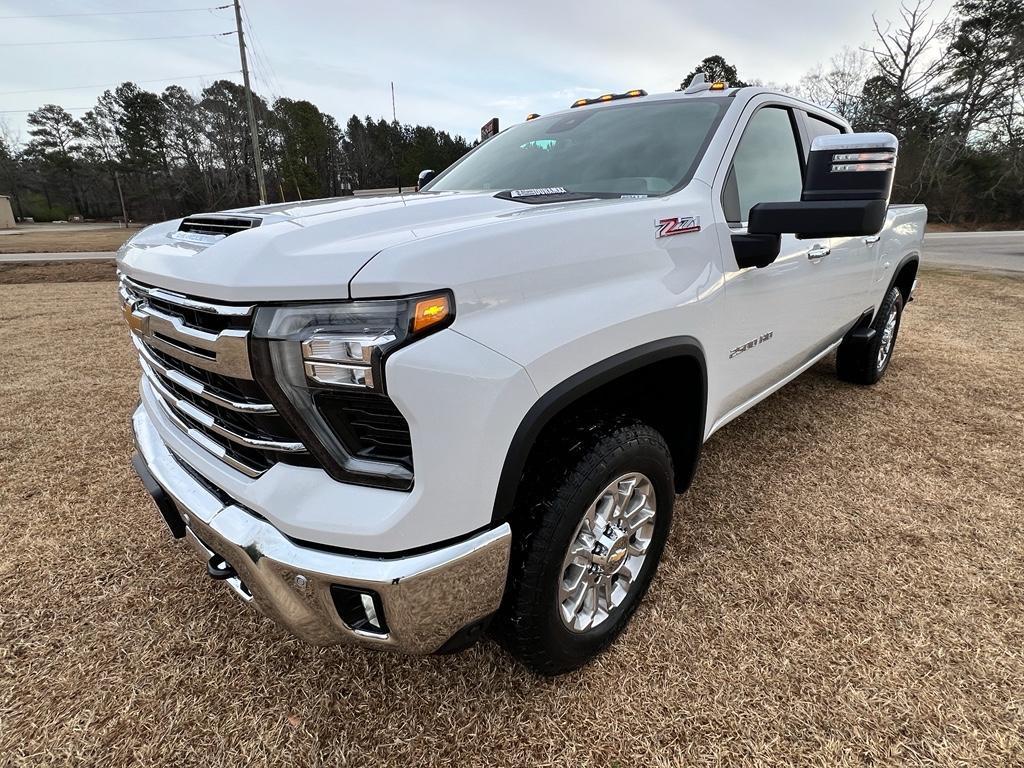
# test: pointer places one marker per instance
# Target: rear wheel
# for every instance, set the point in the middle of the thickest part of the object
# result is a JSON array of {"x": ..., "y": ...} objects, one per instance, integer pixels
[
  {"x": 865, "y": 362},
  {"x": 596, "y": 512}
]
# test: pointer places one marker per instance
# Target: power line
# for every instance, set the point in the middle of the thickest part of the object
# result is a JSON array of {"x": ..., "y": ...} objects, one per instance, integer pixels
[
  {"x": 116, "y": 13},
  {"x": 114, "y": 85},
  {"x": 115, "y": 40},
  {"x": 273, "y": 85},
  {"x": 261, "y": 64}
]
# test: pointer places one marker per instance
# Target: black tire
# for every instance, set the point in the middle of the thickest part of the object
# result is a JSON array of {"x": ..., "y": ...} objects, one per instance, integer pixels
[
  {"x": 566, "y": 475},
  {"x": 863, "y": 362}
]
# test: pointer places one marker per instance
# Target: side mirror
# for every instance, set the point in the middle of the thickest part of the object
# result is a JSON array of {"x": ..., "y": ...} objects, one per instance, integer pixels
[
  {"x": 755, "y": 250},
  {"x": 424, "y": 178},
  {"x": 845, "y": 194}
]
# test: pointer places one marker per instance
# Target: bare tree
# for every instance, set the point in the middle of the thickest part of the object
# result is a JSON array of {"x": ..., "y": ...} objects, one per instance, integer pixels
[
  {"x": 840, "y": 86},
  {"x": 905, "y": 55}
]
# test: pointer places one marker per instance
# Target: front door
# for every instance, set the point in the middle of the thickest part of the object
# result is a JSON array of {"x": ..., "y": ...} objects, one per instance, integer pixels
[{"x": 779, "y": 317}]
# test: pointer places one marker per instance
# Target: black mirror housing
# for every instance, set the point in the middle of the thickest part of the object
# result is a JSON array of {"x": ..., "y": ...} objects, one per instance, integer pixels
[
  {"x": 755, "y": 250},
  {"x": 426, "y": 176},
  {"x": 846, "y": 190},
  {"x": 819, "y": 218}
]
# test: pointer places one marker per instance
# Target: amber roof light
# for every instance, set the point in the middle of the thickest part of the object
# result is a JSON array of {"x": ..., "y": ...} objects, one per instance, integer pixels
[{"x": 609, "y": 97}]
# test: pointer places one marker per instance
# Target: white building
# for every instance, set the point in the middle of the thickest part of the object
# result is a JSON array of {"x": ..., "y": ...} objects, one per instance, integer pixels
[{"x": 6, "y": 214}]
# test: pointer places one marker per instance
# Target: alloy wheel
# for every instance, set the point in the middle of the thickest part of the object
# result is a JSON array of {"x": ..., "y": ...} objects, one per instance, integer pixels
[{"x": 607, "y": 552}]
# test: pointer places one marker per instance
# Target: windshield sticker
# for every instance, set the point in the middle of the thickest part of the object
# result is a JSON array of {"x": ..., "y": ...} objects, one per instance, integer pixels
[
  {"x": 537, "y": 192},
  {"x": 676, "y": 225}
]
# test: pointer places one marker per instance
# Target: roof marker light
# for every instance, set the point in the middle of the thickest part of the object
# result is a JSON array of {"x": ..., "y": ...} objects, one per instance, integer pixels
[
  {"x": 609, "y": 97},
  {"x": 532, "y": 116}
]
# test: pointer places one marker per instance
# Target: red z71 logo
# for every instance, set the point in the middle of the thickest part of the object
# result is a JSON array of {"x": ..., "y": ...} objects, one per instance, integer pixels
[{"x": 676, "y": 225}]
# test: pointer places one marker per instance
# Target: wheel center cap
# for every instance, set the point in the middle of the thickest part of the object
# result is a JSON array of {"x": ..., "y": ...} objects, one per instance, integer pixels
[{"x": 611, "y": 549}]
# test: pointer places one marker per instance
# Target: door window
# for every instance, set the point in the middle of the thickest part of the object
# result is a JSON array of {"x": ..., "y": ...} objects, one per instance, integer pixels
[
  {"x": 766, "y": 167},
  {"x": 818, "y": 127}
]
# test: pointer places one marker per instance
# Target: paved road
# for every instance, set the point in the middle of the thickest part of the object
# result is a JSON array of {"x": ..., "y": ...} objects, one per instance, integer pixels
[
  {"x": 996, "y": 251},
  {"x": 91, "y": 256},
  {"x": 65, "y": 227}
]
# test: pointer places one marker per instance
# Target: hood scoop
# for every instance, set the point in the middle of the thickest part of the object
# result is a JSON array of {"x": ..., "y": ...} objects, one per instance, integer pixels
[{"x": 208, "y": 228}]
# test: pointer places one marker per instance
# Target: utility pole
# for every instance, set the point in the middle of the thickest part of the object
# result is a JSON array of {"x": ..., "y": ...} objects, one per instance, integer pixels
[
  {"x": 252, "y": 111},
  {"x": 394, "y": 158},
  {"x": 120, "y": 195}
]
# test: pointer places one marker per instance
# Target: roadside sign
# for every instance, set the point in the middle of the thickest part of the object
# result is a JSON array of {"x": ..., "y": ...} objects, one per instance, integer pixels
[{"x": 488, "y": 129}]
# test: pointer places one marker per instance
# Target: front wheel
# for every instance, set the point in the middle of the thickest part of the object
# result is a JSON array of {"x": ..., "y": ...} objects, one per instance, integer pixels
[
  {"x": 596, "y": 515},
  {"x": 866, "y": 362}
]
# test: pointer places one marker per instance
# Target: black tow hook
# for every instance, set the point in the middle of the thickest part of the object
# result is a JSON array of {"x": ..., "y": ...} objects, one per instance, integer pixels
[{"x": 220, "y": 569}]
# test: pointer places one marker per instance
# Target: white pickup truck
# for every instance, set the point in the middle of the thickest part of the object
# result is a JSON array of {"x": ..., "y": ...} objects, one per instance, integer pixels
[{"x": 400, "y": 421}]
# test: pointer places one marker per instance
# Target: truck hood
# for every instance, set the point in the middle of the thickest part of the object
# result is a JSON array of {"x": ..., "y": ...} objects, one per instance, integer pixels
[{"x": 302, "y": 250}]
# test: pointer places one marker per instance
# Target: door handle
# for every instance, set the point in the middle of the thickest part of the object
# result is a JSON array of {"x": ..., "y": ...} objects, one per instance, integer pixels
[
  {"x": 818, "y": 252},
  {"x": 872, "y": 240}
]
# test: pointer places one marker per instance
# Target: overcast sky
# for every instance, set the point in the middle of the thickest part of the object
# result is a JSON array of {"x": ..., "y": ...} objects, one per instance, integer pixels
[{"x": 455, "y": 63}]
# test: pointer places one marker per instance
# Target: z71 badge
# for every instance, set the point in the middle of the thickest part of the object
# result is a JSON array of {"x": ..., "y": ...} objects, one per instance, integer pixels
[{"x": 676, "y": 225}]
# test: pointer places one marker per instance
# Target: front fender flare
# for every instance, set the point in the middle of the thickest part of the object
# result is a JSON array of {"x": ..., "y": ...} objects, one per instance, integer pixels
[{"x": 564, "y": 394}]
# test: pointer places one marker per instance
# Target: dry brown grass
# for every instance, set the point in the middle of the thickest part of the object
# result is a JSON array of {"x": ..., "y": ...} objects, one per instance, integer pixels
[
  {"x": 843, "y": 586},
  {"x": 21, "y": 272},
  {"x": 46, "y": 240}
]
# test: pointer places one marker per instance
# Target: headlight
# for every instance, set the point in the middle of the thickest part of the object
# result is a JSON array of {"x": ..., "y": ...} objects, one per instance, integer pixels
[{"x": 310, "y": 357}]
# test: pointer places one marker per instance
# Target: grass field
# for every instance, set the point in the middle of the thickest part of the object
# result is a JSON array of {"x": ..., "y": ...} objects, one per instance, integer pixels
[
  {"x": 843, "y": 585},
  {"x": 48, "y": 239},
  {"x": 27, "y": 272}
]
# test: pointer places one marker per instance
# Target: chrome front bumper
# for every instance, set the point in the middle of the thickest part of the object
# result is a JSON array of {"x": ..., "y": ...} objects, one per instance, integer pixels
[{"x": 426, "y": 598}]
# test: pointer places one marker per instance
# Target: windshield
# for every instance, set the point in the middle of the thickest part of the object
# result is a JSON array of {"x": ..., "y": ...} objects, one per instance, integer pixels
[{"x": 644, "y": 148}]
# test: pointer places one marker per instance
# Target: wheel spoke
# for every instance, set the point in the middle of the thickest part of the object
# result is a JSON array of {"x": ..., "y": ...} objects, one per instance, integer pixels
[
  {"x": 580, "y": 549},
  {"x": 638, "y": 546},
  {"x": 623, "y": 493},
  {"x": 580, "y": 597},
  {"x": 639, "y": 519},
  {"x": 589, "y": 606},
  {"x": 570, "y": 589},
  {"x": 606, "y": 590}
]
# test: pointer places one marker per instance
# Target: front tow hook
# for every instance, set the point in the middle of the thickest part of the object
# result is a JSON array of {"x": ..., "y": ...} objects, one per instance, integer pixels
[{"x": 220, "y": 569}]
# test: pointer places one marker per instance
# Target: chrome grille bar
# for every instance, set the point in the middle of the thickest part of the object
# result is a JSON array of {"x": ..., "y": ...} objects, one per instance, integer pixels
[
  {"x": 210, "y": 446},
  {"x": 129, "y": 287},
  {"x": 196, "y": 387},
  {"x": 210, "y": 423},
  {"x": 227, "y": 352}
]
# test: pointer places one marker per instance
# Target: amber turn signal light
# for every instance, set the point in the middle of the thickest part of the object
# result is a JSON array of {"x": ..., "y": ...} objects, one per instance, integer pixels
[{"x": 429, "y": 312}]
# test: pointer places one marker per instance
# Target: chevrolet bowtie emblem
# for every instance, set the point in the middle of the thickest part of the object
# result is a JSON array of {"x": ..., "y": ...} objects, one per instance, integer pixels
[{"x": 137, "y": 321}]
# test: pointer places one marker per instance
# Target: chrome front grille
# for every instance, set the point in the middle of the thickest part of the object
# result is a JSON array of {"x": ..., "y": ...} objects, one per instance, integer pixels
[{"x": 195, "y": 359}]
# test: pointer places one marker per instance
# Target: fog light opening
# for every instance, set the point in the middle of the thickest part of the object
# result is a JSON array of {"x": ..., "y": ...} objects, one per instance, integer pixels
[
  {"x": 370, "y": 610},
  {"x": 360, "y": 609}
]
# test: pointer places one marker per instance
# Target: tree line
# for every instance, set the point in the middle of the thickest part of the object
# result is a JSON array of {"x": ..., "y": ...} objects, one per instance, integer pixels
[
  {"x": 174, "y": 153},
  {"x": 951, "y": 89}
]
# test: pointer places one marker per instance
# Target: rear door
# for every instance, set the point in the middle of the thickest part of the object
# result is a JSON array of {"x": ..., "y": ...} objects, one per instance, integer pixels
[{"x": 779, "y": 317}]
